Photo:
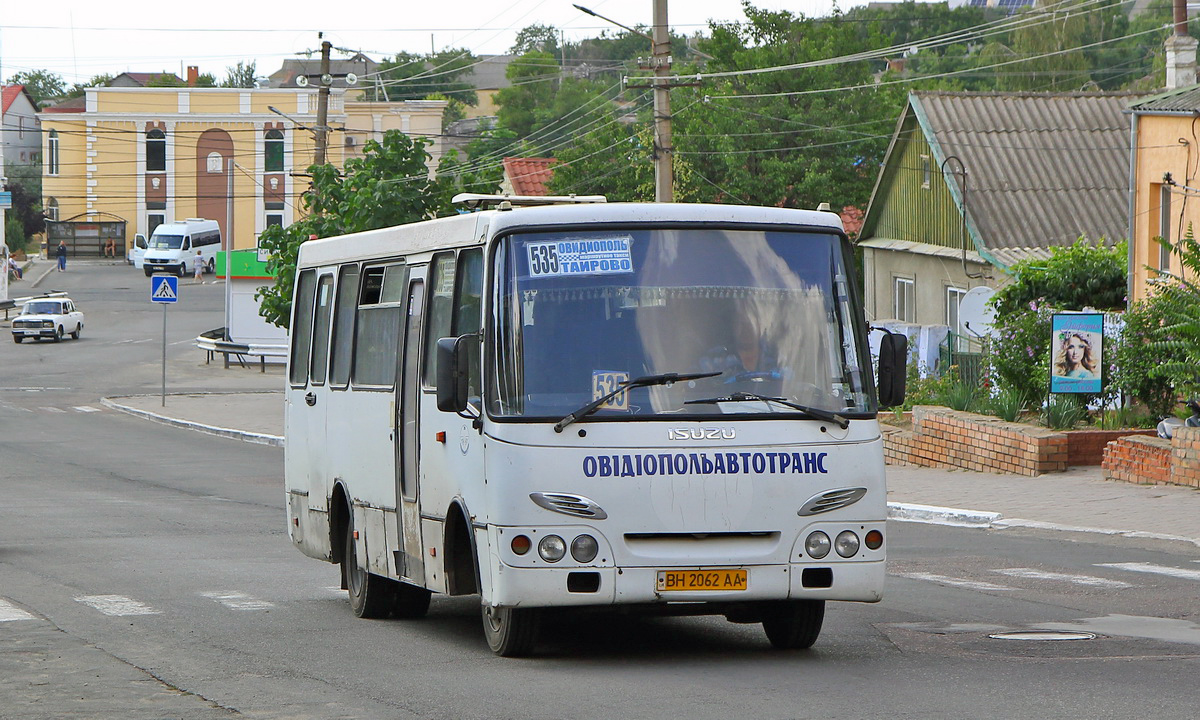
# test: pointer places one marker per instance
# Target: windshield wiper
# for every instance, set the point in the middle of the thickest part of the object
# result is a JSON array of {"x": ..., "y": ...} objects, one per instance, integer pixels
[
  {"x": 644, "y": 381},
  {"x": 812, "y": 412}
]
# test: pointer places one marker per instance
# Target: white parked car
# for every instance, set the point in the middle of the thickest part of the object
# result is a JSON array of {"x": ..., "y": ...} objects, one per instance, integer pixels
[{"x": 50, "y": 317}]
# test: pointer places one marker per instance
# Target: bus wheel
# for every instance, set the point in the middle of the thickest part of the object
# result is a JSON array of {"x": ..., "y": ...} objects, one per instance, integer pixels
[
  {"x": 511, "y": 632},
  {"x": 370, "y": 595},
  {"x": 411, "y": 601},
  {"x": 794, "y": 625}
]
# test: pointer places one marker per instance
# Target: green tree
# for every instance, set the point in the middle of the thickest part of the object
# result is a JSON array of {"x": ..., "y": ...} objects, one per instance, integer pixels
[
  {"x": 241, "y": 75},
  {"x": 532, "y": 90},
  {"x": 78, "y": 89},
  {"x": 409, "y": 76},
  {"x": 165, "y": 79},
  {"x": 25, "y": 184},
  {"x": 536, "y": 37},
  {"x": 478, "y": 170},
  {"x": 1176, "y": 341},
  {"x": 42, "y": 85},
  {"x": 388, "y": 185},
  {"x": 1081, "y": 275}
]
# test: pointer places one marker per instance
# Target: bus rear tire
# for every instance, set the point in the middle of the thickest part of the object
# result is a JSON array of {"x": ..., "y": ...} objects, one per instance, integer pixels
[
  {"x": 794, "y": 625},
  {"x": 371, "y": 596},
  {"x": 511, "y": 632},
  {"x": 410, "y": 601}
]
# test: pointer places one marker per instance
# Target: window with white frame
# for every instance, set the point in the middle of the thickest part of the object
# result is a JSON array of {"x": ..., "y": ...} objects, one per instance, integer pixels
[
  {"x": 52, "y": 209},
  {"x": 954, "y": 297},
  {"x": 902, "y": 300},
  {"x": 926, "y": 171},
  {"x": 52, "y": 153},
  {"x": 273, "y": 151},
  {"x": 156, "y": 151}
]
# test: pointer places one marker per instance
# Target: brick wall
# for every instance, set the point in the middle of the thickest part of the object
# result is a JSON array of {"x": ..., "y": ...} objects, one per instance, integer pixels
[
  {"x": 1086, "y": 447},
  {"x": 951, "y": 439},
  {"x": 1185, "y": 457},
  {"x": 1138, "y": 459}
]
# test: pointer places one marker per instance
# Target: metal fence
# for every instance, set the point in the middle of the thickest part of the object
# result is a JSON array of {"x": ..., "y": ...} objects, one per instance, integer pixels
[{"x": 965, "y": 352}]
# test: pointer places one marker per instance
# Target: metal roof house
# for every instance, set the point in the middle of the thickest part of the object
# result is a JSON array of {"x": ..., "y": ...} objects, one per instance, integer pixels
[{"x": 974, "y": 182}]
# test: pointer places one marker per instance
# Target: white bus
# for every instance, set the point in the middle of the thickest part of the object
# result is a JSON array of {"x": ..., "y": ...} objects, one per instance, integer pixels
[{"x": 663, "y": 407}]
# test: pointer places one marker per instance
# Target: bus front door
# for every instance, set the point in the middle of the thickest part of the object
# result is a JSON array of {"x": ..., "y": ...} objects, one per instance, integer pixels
[{"x": 410, "y": 561}]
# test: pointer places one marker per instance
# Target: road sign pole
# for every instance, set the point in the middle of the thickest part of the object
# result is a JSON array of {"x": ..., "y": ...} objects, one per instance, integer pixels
[{"x": 164, "y": 359}]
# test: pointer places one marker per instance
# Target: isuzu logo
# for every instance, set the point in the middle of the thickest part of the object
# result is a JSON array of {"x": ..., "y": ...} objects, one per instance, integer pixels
[{"x": 701, "y": 433}]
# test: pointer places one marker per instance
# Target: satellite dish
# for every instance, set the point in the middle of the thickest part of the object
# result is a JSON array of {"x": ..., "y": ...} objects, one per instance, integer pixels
[
  {"x": 975, "y": 315},
  {"x": 351, "y": 79},
  {"x": 261, "y": 82},
  {"x": 302, "y": 81}
]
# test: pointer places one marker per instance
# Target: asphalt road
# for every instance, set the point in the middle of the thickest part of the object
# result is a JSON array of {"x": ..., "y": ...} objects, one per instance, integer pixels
[{"x": 145, "y": 572}]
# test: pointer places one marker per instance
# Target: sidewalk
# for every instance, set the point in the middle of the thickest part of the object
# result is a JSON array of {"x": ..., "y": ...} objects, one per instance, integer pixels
[{"x": 1079, "y": 500}]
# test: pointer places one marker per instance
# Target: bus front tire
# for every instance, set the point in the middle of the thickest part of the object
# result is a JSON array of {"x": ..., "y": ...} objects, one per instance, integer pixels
[
  {"x": 371, "y": 596},
  {"x": 511, "y": 632},
  {"x": 794, "y": 625}
]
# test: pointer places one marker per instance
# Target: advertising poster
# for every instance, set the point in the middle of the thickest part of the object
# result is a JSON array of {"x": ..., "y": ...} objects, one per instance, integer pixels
[{"x": 1077, "y": 353}]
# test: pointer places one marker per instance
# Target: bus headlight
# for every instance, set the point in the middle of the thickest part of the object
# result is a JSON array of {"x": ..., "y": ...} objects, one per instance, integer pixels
[
  {"x": 817, "y": 545},
  {"x": 584, "y": 548},
  {"x": 846, "y": 544},
  {"x": 552, "y": 548}
]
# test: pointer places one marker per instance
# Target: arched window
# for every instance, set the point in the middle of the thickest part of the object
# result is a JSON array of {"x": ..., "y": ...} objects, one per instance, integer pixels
[
  {"x": 156, "y": 151},
  {"x": 52, "y": 207},
  {"x": 273, "y": 151},
  {"x": 52, "y": 153}
]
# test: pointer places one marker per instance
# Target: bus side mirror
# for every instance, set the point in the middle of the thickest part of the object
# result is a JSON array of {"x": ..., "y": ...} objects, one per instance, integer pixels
[
  {"x": 451, "y": 376},
  {"x": 893, "y": 369}
]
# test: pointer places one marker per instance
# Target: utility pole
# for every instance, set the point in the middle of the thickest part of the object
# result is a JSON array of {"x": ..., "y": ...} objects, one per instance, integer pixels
[
  {"x": 323, "y": 104},
  {"x": 664, "y": 153}
]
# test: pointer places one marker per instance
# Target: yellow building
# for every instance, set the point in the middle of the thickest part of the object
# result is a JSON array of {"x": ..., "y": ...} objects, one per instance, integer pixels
[
  {"x": 1166, "y": 199},
  {"x": 147, "y": 156}
]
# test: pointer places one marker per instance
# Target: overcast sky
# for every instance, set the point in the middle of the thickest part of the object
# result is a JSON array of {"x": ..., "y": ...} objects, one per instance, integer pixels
[{"x": 79, "y": 39}]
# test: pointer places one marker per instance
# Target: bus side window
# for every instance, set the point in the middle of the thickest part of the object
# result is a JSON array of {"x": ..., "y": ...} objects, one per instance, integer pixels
[
  {"x": 468, "y": 310},
  {"x": 343, "y": 326},
  {"x": 320, "y": 341},
  {"x": 440, "y": 313},
  {"x": 377, "y": 331},
  {"x": 302, "y": 317}
]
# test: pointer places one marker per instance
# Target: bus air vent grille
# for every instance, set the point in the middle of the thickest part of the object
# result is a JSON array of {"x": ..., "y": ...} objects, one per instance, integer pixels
[
  {"x": 569, "y": 504},
  {"x": 832, "y": 500}
]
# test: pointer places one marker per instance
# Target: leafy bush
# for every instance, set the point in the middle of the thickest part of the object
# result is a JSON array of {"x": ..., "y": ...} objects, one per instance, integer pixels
[
  {"x": 958, "y": 395},
  {"x": 1175, "y": 340},
  {"x": 928, "y": 390},
  {"x": 1022, "y": 358},
  {"x": 1063, "y": 412},
  {"x": 1008, "y": 404},
  {"x": 1073, "y": 277},
  {"x": 1137, "y": 357}
]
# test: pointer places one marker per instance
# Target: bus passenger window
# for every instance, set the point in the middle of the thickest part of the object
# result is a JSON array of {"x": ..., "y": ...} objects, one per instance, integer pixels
[
  {"x": 441, "y": 312},
  {"x": 302, "y": 316},
  {"x": 376, "y": 333},
  {"x": 343, "y": 325},
  {"x": 320, "y": 341}
]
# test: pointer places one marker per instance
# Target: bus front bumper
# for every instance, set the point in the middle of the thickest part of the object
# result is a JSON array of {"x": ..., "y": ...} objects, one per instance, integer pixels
[{"x": 858, "y": 581}]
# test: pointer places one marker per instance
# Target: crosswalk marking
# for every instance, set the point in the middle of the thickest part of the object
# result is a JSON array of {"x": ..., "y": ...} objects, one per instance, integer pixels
[
  {"x": 1088, "y": 580},
  {"x": 116, "y": 605},
  {"x": 52, "y": 409},
  {"x": 86, "y": 409},
  {"x": 1175, "y": 572},
  {"x": 10, "y": 612},
  {"x": 238, "y": 601},
  {"x": 957, "y": 582}
]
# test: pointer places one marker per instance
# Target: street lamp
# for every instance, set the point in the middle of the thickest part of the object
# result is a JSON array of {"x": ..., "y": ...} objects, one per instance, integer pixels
[{"x": 664, "y": 171}]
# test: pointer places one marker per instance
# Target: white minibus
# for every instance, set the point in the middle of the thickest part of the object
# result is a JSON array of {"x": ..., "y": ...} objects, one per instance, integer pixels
[
  {"x": 668, "y": 408},
  {"x": 173, "y": 247}
]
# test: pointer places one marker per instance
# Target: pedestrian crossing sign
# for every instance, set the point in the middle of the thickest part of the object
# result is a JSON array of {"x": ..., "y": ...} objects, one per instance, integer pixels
[{"x": 164, "y": 288}]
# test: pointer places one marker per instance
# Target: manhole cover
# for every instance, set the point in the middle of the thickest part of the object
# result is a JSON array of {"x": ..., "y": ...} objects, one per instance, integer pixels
[{"x": 1042, "y": 635}]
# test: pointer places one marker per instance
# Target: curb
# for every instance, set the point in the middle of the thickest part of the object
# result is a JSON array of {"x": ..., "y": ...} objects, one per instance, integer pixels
[
  {"x": 243, "y": 435},
  {"x": 908, "y": 512}
]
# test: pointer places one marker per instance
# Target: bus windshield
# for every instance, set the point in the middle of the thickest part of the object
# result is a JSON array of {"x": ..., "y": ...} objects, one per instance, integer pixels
[
  {"x": 166, "y": 242},
  {"x": 767, "y": 314}
]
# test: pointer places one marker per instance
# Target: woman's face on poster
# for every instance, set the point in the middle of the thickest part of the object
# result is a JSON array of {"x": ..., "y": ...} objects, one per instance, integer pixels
[{"x": 1075, "y": 350}]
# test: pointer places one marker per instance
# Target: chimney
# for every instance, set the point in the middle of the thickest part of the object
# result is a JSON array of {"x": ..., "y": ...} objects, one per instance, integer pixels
[
  {"x": 1181, "y": 51},
  {"x": 193, "y": 72}
]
